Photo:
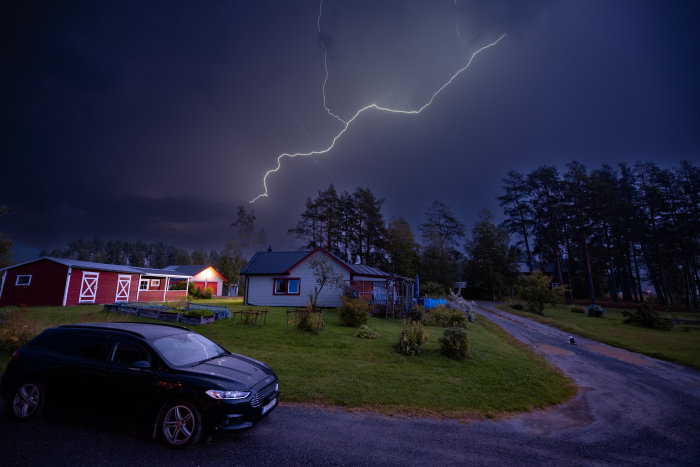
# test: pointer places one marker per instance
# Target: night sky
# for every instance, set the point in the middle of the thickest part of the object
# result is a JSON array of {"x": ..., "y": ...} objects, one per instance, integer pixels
[{"x": 153, "y": 120}]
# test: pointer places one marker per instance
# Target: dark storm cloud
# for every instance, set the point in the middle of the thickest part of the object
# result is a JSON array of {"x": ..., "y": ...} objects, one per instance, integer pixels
[
  {"x": 478, "y": 18},
  {"x": 50, "y": 223},
  {"x": 153, "y": 120}
]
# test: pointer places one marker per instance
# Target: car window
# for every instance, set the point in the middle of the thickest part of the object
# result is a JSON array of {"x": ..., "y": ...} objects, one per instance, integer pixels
[
  {"x": 187, "y": 349},
  {"x": 126, "y": 353},
  {"x": 74, "y": 344}
]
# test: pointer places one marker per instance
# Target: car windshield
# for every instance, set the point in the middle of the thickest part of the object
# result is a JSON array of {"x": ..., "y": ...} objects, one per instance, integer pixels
[{"x": 187, "y": 349}]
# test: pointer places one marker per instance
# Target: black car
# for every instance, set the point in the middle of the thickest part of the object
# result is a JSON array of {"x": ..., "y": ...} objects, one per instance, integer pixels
[{"x": 183, "y": 382}]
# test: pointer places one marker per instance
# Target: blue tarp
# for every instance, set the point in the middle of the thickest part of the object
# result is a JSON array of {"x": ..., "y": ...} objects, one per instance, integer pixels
[{"x": 433, "y": 302}]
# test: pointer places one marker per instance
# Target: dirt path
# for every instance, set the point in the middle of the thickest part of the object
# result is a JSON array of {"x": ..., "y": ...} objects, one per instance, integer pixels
[{"x": 626, "y": 399}]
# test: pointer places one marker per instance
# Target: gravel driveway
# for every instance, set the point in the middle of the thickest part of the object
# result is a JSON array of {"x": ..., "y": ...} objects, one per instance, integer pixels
[{"x": 630, "y": 410}]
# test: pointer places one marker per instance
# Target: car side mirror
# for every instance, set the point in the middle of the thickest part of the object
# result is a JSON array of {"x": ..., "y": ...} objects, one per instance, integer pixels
[{"x": 141, "y": 365}]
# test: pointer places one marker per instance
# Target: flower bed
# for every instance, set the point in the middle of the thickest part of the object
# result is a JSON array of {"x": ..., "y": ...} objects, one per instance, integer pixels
[
  {"x": 193, "y": 314},
  {"x": 197, "y": 316}
]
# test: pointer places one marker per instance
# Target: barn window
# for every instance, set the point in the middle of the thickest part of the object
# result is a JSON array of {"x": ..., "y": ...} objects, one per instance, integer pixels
[
  {"x": 24, "y": 280},
  {"x": 155, "y": 283},
  {"x": 287, "y": 286},
  {"x": 143, "y": 285}
]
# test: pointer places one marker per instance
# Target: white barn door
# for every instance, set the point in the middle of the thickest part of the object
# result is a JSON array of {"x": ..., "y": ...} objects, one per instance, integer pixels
[
  {"x": 88, "y": 287},
  {"x": 123, "y": 288}
]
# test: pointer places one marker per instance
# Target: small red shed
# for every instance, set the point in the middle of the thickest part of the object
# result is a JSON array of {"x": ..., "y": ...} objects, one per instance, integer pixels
[{"x": 62, "y": 282}]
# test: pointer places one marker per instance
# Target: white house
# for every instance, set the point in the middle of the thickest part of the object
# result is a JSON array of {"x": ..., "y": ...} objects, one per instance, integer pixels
[{"x": 285, "y": 278}]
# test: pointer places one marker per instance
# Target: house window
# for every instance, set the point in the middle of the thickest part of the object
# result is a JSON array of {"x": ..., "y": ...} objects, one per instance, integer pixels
[
  {"x": 155, "y": 283},
  {"x": 287, "y": 286},
  {"x": 24, "y": 280},
  {"x": 143, "y": 285}
]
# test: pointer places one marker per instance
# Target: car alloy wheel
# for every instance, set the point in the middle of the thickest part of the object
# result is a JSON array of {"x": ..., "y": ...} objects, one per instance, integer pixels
[
  {"x": 181, "y": 425},
  {"x": 28, "y": 401}
]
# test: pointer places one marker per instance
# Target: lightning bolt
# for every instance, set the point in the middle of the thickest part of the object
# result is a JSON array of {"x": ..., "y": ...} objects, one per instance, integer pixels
[
  {"x": 325, "y": 66},
  {"x": 373, "y": 106}
]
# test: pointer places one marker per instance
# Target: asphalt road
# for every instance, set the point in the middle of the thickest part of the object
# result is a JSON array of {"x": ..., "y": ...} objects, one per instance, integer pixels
[{"x": 630, "y": 410}]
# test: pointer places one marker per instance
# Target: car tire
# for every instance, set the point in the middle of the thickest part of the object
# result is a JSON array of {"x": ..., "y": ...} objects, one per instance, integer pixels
[
  {"x": 180, "y": 424},
  {"x": 28, "y": 400}
]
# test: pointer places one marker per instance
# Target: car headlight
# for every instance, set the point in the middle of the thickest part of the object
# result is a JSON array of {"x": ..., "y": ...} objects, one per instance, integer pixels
[{"x": 219, "y": 394}]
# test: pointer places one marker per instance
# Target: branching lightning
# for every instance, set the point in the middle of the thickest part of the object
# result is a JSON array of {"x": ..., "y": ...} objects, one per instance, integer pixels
[
  {"x": 348, "y": 123},
  {"x": 325, "y": 67}
]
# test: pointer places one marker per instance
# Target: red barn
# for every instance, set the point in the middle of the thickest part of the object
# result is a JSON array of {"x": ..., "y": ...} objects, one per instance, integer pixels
[{"x": 56, "y": 281}]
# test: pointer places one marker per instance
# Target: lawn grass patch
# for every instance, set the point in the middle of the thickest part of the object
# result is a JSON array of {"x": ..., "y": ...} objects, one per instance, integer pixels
[
  {"x": 680, "y": 344},
  {"x": 336, "y": 368}
]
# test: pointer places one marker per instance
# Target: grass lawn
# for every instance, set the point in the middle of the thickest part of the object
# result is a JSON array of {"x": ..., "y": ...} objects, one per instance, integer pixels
[
  {"x": 336, "y": 368},
  {"x": 680, "y": 345}
]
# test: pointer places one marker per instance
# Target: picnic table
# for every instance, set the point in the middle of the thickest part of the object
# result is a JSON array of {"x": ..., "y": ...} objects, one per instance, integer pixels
[{"x": 251, "y": 316}]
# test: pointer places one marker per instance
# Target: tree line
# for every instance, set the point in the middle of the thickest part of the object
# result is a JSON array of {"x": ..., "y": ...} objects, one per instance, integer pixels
[
  {"x": 612, "y": 228},
  {"x": 138, "y": 253},
  {"x": 604, "y": 231},
  {"x": 245, "y": 238},
  {"x": 352, "y": 226}
]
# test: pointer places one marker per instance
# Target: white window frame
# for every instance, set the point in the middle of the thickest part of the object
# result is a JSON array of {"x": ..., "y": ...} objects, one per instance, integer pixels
[
  {"x": 155, "y": 283},
  {"x": 23, "y": 275},
  {"x": 287, "y": 281},
  {"x": 143, "y": 282}
]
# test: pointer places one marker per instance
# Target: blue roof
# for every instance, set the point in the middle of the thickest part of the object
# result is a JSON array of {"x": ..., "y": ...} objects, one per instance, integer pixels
[
  {"x": 272, "y": 262},
  {"x": 280, "y": 262},
  {"x": 364, "y": 270}
]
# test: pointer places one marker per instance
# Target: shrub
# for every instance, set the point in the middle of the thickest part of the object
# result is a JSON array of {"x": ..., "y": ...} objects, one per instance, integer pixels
[
  {"x": 517, "y": 306},
  {"x": 432, "y": 289},
  {"x": 647, "y": 317},
  {"x": 366, "y": 333},
  {"x": 428, "y": 318},
  {"x": 194, "y": 292},
  {"x": 208, "y": 292},
  {"x": 310, "y": 320},
  {"x": 577, "y": 309},
  {"x": 412, "y": 338},
  {"x": 453, "y": 343},
  {"x": 198, "y": 313},
  {"x": 180, "y": 305},
  {"x": 445, "y": 317},
  {"x": 16, "y": 329},
  {"x": 536, "y": 289},
  {"x": 595, "y": 311},
  {"x": 353, "y": 312},
  {"x": 417, "y": 313},
  {"x": 457, "y": 302}
]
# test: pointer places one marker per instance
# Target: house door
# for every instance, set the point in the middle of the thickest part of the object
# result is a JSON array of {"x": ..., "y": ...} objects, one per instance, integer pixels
[
  {"x": 88, "y": 287},
  {"x": 123, "y": 288}
]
